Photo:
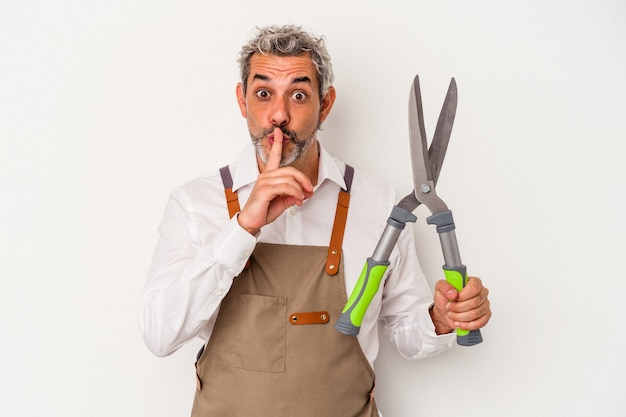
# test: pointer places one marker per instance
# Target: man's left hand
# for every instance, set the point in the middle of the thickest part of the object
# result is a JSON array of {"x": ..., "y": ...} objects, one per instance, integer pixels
[{"x": 468, "y": 309}]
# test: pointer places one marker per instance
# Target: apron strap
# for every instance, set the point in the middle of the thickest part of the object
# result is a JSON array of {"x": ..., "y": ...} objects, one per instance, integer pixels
[
  {"x": 231, "y": 197},
  {"x": 341, "y": 215},
  {"x": 339, "y": 225}
]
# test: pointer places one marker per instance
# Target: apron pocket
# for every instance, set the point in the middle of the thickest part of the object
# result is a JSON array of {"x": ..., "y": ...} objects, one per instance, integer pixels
[{"x": 261, "y": 340}]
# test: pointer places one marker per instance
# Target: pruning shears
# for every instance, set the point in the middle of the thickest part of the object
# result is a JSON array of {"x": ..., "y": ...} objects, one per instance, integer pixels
[{"x": 426, "y": 162}]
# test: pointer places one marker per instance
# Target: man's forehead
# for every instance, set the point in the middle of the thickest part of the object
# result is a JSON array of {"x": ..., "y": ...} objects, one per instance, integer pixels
[{"x": 271, "y": 67}]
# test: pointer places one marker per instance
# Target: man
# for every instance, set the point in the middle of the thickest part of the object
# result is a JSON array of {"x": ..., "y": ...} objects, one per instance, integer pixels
[{"x": 258, "y": 259}]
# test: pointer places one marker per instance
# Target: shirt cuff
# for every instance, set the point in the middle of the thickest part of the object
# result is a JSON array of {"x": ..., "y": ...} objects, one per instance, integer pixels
[
  {"x": 430, "y": 335},
  {"x": 432, "y": 343}
]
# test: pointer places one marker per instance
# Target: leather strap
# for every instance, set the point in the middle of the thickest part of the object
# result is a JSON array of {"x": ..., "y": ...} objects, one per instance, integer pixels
[
  {"x": 311, "y": 317},
  {"x": 341, "y": 216},
  {"x": 231, "y": 197}
]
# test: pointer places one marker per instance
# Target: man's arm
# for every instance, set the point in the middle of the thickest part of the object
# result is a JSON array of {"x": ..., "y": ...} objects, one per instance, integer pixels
[{"x": 189, "y": 276}]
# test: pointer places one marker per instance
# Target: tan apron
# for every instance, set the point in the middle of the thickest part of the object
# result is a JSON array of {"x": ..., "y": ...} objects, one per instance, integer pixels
[{"x": 274, "y": 351}]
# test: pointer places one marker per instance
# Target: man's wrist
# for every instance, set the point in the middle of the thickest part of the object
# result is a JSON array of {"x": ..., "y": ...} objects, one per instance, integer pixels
[
  {"x": 248, "y": 229},
  {"x": 441, "y": 325}
]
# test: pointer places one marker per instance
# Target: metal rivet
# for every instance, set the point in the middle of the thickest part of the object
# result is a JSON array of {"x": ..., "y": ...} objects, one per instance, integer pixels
[
  {"x": 331, "y": 267},
  {"x": 425, "y": 188},
  {"x": 323, "y": 316},
  {"x": 294, "y": 318},
  {"x": 334, "y": 252}
]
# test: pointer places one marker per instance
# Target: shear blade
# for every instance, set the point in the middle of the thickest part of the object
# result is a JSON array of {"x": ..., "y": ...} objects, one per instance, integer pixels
[
  {"x": 439, "y": 145},
  {"x": 427, "y": 161},
  {"x": 417, "y": 134}
]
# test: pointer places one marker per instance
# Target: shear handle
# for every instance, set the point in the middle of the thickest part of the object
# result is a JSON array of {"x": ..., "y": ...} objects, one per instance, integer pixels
[{"x": 454, "y": 270}]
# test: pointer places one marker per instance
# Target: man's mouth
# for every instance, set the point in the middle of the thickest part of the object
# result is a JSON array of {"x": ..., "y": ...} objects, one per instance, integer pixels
[{"x": 270, "y": 138}]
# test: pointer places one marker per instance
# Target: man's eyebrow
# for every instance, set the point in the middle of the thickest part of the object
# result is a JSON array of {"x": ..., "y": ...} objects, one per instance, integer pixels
[{"x": 303, "y": 79}]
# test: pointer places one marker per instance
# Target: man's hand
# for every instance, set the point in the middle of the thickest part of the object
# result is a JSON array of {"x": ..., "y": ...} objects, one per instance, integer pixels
[
  {"x": 276, "y": 190},
  {"x": 468, "y": 310}
]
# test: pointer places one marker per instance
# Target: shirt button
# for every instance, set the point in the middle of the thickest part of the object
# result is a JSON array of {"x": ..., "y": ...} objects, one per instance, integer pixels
[{"x": 292, "y": 211}]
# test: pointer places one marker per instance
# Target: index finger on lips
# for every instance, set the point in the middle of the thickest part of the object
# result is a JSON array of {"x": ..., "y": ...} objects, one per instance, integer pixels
[{"x": 276, "y": 153}]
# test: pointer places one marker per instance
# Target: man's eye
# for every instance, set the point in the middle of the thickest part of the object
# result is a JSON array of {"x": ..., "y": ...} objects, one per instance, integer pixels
[
  {"x": 262, "y": 94},
  {"x": 298, "y": 96}
]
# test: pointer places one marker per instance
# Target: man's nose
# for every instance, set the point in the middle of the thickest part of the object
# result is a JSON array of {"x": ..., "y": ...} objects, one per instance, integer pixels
[{"x": 280, "y": 112}]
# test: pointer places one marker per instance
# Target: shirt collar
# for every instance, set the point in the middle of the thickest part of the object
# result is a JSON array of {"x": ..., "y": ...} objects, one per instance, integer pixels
[{"x": 246, "y": 169}]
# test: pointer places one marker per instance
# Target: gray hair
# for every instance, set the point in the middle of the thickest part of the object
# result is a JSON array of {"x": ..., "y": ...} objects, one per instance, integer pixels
[{"x": 288, "y": 40}]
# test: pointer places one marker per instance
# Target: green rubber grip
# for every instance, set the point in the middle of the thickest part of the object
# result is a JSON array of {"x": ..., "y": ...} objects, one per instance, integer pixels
[
  {"x": 349, "y": 322},
  {"x": 457, "y": 277}
]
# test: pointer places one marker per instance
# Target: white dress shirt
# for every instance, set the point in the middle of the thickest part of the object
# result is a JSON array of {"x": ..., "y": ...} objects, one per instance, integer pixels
[{"x": 200, "y": 251}]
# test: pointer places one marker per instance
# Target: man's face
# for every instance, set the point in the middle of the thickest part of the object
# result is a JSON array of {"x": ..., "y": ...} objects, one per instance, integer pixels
[{"x": 283, "y": 92}]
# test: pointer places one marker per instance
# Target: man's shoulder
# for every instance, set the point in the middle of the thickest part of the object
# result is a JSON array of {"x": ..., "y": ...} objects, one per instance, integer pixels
[
  {"x": 370, "y": 196},
  {"x": 367, "y": 182},
  {"x": 363, "y": 180}
]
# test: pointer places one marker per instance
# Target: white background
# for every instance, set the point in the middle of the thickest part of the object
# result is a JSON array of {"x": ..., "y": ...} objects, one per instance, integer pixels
[{"x": 105, "y": 106}]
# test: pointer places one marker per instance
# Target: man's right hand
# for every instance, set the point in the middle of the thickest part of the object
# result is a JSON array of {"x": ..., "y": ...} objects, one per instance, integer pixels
[{"x": 276, "y": 189}]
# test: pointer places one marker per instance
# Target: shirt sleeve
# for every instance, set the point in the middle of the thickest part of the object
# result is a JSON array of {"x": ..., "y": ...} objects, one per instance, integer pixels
[
  {"x": 189, "y": 276},
  {"x": 404, "y": 316}
]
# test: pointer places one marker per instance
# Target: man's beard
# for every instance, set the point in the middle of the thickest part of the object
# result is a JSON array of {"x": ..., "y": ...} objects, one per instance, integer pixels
[{"x": 299, "y": 148}]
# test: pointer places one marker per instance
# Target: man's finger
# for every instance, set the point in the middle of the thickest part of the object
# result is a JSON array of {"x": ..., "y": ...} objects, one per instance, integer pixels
[
  {"x": 276, "y": 153},
  {"x": 472, "y": 289},
  {"x": 446, "y": 289}
]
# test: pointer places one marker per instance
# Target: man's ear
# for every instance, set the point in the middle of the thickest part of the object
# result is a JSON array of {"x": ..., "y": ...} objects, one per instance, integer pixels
[
  {"x": 241, "y": 100},
  {"x": 327, "y": 103}
]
